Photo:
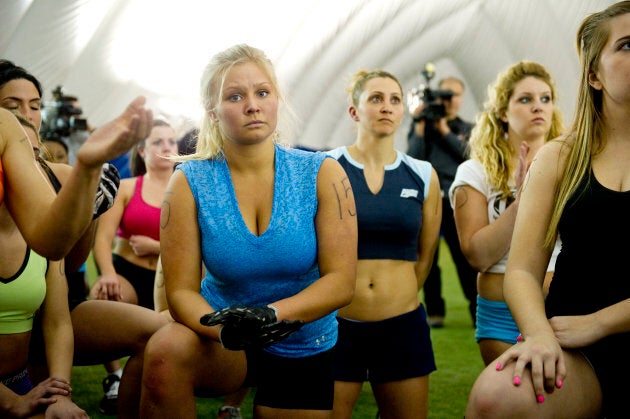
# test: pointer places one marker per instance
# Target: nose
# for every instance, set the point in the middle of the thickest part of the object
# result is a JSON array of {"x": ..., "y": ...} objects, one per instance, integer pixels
[
  {"x": 536, "y": 106},
  {"x": 252, "y": 106}
]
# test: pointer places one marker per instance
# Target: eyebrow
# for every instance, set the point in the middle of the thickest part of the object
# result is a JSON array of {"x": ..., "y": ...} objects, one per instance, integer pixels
[{"x": 19, "y": 99}]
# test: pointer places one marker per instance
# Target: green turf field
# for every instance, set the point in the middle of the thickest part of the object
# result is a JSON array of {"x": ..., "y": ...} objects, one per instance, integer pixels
[{"x": 456, "y": 354}]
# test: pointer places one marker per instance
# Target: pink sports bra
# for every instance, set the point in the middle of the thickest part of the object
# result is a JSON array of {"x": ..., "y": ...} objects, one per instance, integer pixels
[{"x": 139, "y": 218}]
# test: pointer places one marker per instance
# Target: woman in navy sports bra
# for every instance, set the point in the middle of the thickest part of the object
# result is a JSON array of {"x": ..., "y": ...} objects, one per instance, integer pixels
[{"x": 384, "y": 337}]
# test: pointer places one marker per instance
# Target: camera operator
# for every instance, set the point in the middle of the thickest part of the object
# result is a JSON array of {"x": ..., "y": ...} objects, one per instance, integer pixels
[
  {"x": 63, "y": 121},
  {"x": 440, "y": 136}
]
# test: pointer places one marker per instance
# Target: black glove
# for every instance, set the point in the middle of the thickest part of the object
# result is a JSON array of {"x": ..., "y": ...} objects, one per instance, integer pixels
[
  {"x": 246, "y": 327},
  {"x": 107, "y": 190},
  {"x": 237, "y": 338},
  {"x": 275, "y": 332},
  {"x": 242, "y": 316}
]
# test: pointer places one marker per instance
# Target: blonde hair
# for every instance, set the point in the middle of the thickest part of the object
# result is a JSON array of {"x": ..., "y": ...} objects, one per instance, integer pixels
[
  {"x": 210, "y": 139},
  {"x": 356, "y": 86},
  {"x": 586, "y": 137},
  {"x": 488, "y": 143}
]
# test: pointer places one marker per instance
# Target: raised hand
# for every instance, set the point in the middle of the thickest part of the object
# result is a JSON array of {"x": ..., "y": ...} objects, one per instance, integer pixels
[{"x": 116, "y": 137}]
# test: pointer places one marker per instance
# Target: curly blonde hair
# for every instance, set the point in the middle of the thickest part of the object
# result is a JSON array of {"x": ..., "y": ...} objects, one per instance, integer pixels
[{"x": 488, "y": 143}]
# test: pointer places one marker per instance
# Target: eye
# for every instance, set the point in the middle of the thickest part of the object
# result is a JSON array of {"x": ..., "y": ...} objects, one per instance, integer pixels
[
  {"x": 546, "y": 99},
  {"x": 524, "y": 99},
  {"x": 11, "y": 105},
  {"x": 625, "y": 45},
  {"x": 396, "y": 100},
  {"x": 263, "y": 93},
  {"x": 375, "y": 99},
  {"x": 234, "y": 97}
]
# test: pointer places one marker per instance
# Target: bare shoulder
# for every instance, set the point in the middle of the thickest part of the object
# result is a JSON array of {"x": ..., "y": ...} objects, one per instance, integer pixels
[
  {"x": 331, "y": 173},
  {"x": 331, "y": 169},
  {"x": 127, "y": 185},
  {"x": 551, "y": 157}
]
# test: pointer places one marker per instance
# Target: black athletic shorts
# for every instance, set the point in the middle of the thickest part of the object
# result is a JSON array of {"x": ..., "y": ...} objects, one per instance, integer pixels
[
  {"x": 140, "y": 278},
  {"x": 291, "y": 383},
  {"x": 383, "y": 351}
]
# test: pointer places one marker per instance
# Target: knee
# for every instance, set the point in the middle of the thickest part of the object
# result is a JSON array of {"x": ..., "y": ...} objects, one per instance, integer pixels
[
  {"x": 489, "y": 400},
  {"x": 164, "y": 363}
]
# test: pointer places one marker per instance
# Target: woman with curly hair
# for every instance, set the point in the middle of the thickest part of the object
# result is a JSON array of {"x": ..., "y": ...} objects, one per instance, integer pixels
[{"x": 519, "y": 117}]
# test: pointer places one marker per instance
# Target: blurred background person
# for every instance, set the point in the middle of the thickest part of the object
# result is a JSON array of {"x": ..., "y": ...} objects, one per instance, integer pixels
[
  {"x": 439, "y": 136},
  {"x": 96, "y": 340},
  {"x": 127, "y": 242},
  {"x": 56, "y": 151}
]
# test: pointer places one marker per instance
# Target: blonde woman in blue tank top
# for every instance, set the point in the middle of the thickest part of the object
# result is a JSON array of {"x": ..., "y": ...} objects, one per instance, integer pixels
[{"x": 275, "y": 229}]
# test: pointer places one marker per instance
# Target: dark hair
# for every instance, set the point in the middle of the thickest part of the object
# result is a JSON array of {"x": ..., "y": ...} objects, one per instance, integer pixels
[
  {"x": 56, "y": 140},
  {"x": 188, "y": 143},
  {"x": 10, "y": 71}
]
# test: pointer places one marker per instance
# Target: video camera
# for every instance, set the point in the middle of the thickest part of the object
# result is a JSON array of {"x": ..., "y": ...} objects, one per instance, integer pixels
[
  {"x": 433, "y": 99},
  {"x": 60, "y": 117}
]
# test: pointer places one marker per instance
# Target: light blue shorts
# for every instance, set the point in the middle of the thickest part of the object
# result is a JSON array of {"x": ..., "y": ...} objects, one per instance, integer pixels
[{"x": 494, "y": 321}]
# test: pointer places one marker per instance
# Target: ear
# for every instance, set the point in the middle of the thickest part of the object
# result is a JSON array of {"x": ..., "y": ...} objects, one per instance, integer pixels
[
  {"x": 353, "y": 113},
  {"x": 593, "y": 80},
  {"x": 213, "y": 115},
  {"x": 503, "y": 117}
]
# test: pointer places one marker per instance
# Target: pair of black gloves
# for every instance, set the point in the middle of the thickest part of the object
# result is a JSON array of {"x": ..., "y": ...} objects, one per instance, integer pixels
[{"x": 250, "y": 327}]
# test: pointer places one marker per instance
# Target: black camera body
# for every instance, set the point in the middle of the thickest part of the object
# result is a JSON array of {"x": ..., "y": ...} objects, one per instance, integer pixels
[
  {"x": 60, "y": 117},
  {"x": 433, "y": 99}
]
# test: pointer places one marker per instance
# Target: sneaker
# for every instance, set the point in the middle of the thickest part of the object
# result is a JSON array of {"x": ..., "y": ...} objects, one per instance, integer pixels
[
  {"x": 229, "y": 412},
  {"x": 109, "y": 403},
  {"x": 436, "y": 322}
]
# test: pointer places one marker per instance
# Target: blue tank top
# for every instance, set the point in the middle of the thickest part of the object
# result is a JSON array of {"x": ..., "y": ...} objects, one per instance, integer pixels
[
  {"x": 245, "y": 269},
  {"x": 389, "y": 221}
]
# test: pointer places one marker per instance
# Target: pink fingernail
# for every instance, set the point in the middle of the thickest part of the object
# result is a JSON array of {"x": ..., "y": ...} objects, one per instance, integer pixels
[
  {"x": 540, "y": 398},
  {"x": 559, "y": 384},
  {"x": 519, "y": 338},
  {"x": 517, "y": 381},
  {"x": 498, "y": 366}
]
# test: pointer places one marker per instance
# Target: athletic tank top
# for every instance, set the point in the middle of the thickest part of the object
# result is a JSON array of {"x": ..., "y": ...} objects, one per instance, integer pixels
[
  {"x": 245, "y": 269},
  {"x": 139, "y": 218},
  {"x": 591, "y": 270},
  {"x": 389, "y": 221},
  {"x": 22, "y": 294}
]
